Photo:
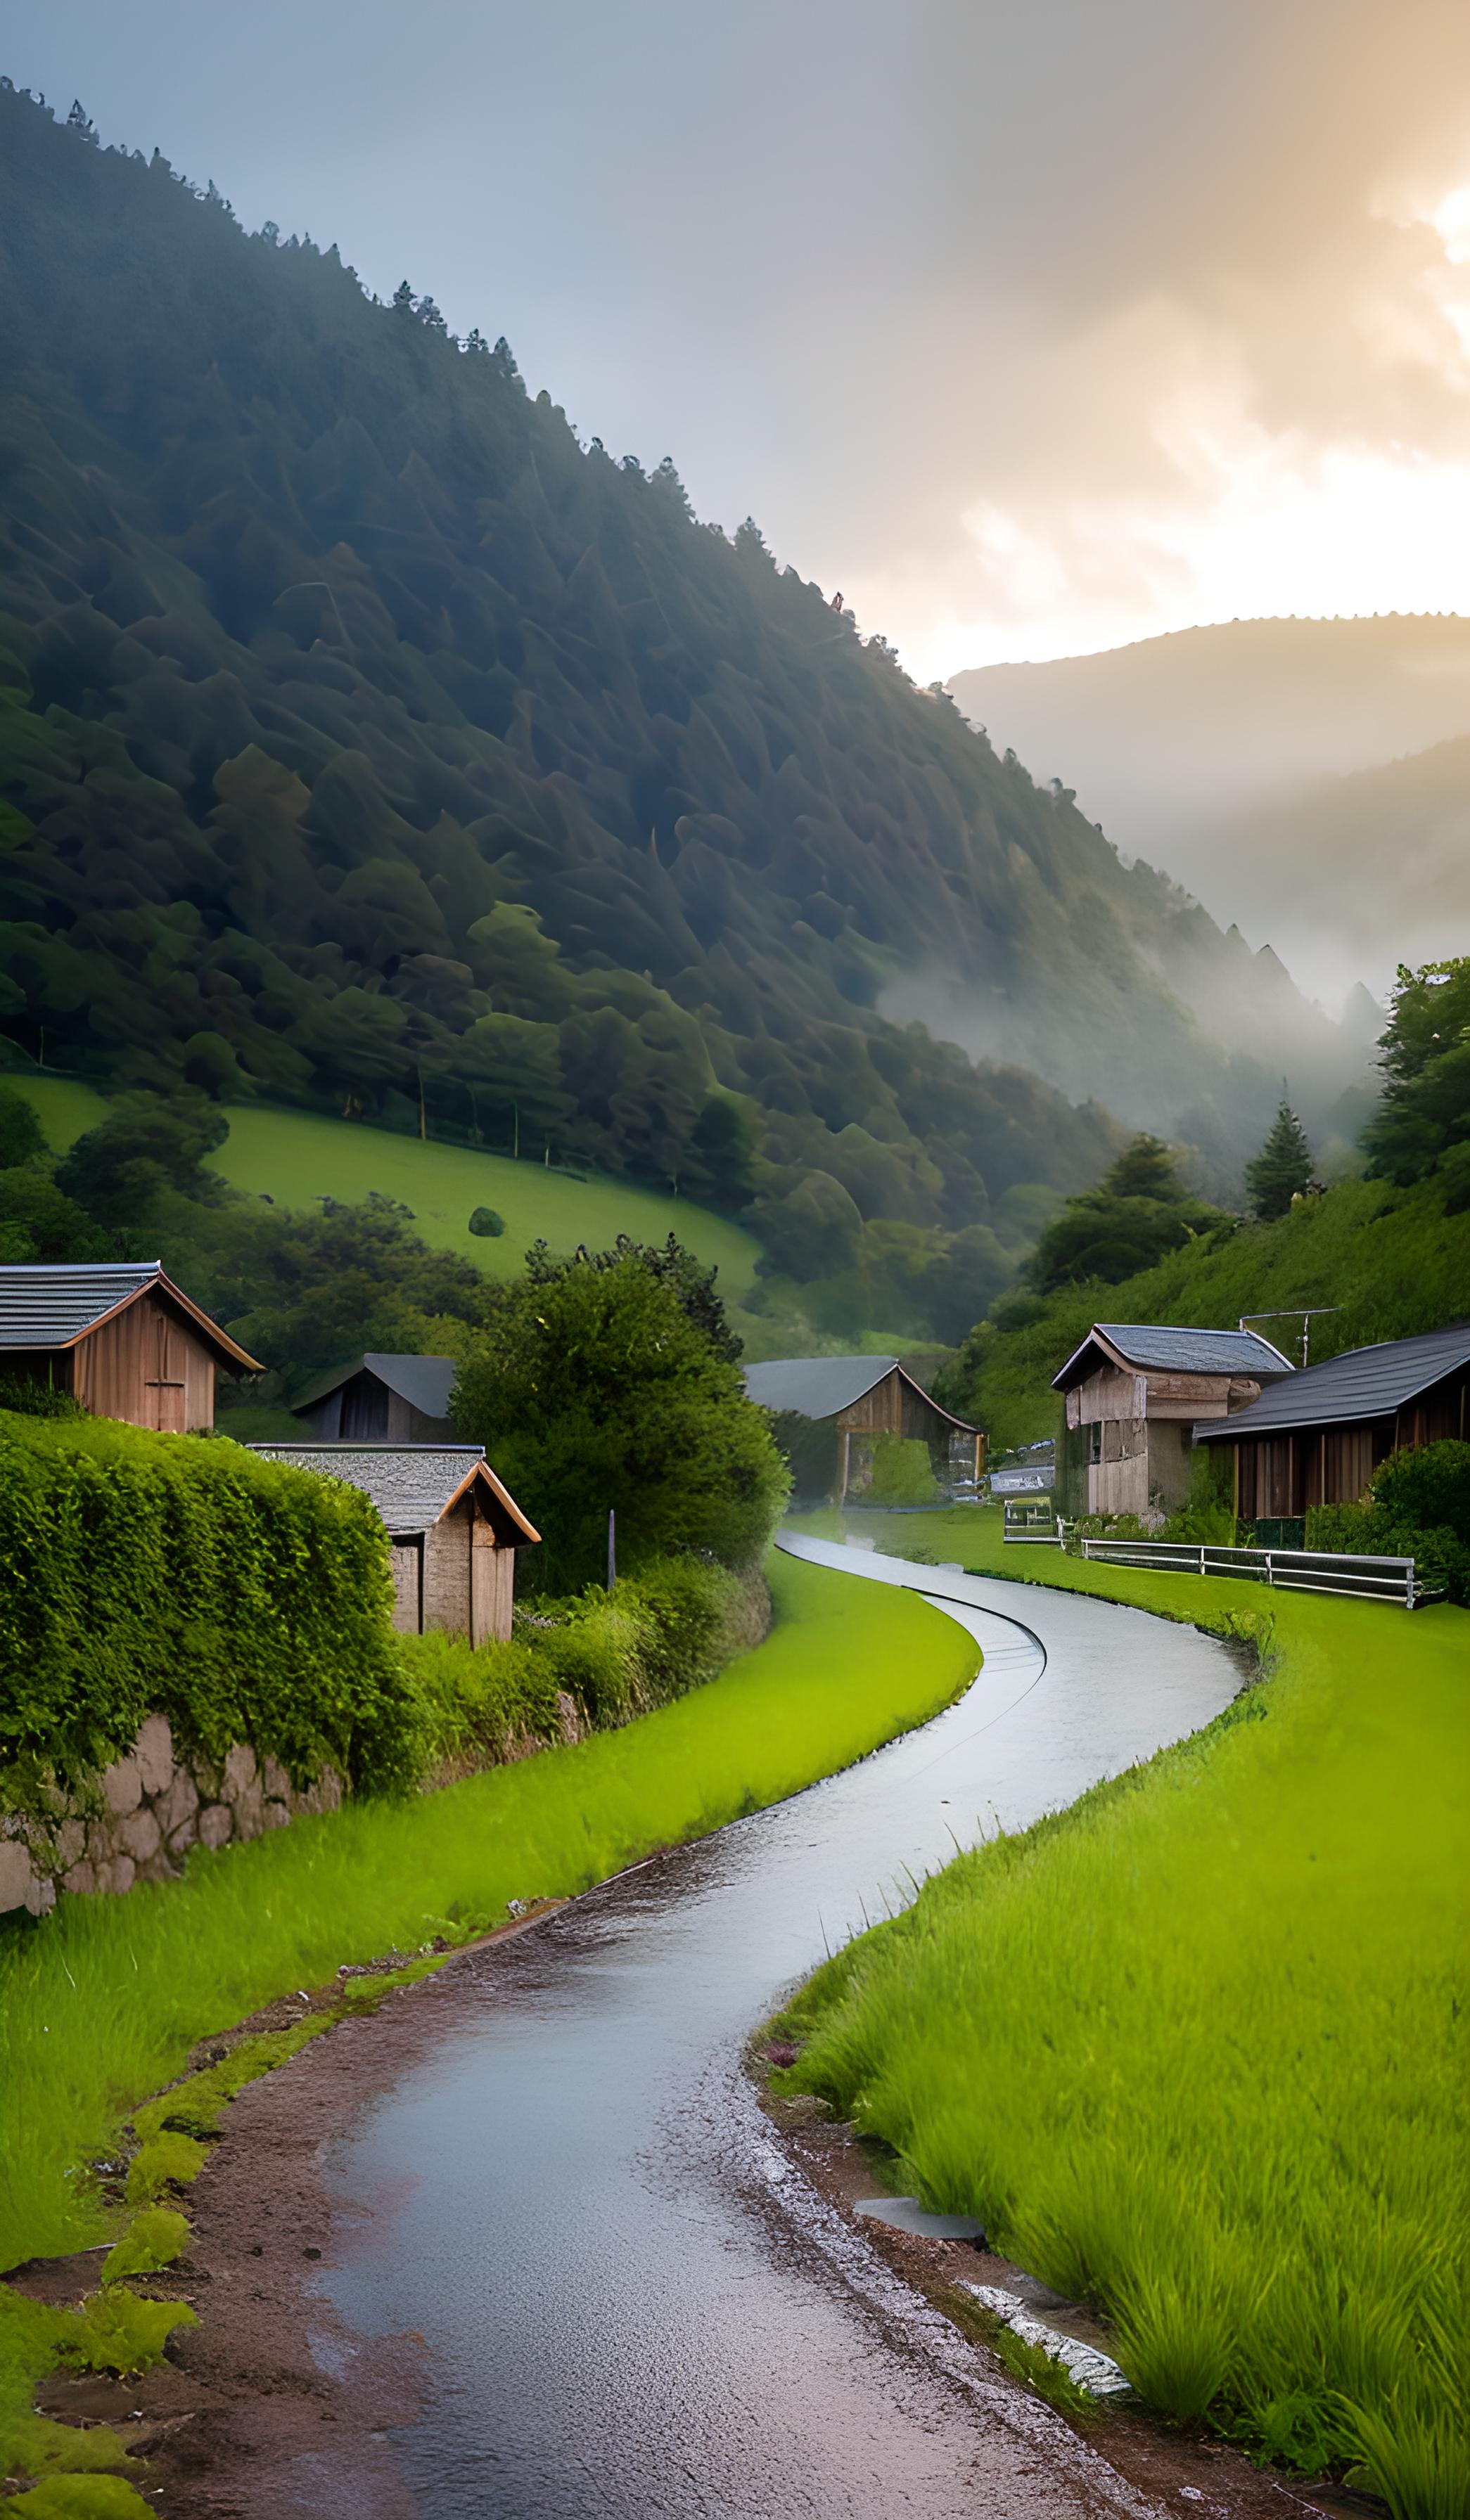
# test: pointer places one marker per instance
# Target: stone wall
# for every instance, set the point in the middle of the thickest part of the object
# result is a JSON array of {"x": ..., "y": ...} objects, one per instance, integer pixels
[{"x": 137, "y": 1819}]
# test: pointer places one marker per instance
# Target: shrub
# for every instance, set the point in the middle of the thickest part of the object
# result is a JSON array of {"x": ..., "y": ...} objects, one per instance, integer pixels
[
  {"x": 245, "y": 1600},
  {"x": 488, "y": 1220},
  {"x": 1419, "y": 1508},
  {"x": 24, "y": 1398},
  {"x": 616, "y": 1654}
]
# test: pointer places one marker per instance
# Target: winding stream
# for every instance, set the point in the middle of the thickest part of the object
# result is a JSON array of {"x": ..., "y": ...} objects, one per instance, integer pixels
[{"x": 627, "y": 2311}]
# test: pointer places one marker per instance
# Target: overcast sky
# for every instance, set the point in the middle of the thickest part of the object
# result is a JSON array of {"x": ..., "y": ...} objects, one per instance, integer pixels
[{"x": 1032, "y": 324}]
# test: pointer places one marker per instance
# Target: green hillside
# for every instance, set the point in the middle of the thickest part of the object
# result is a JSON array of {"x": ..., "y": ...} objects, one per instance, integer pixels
[
  {"x": 364, "y": 736},
  {"x": 1391, "y": 1260},
  {"x": 296, "y": 1158}
]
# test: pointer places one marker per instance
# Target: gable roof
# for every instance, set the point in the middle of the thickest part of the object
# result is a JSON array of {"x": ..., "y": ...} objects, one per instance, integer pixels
[
  {"x": 424, "y": 1381},
  {"x": 1363, "y": 1382},
  {"x": 413, "y": 1485},
  {"x": 821, "y": 1386},
  {"x": 54, "y": 1304},
  {"x": 1169, "y": 1350}
]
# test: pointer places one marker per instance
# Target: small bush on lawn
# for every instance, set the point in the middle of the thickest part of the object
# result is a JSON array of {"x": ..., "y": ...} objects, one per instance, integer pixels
[{"x": 488, "y": 1220}]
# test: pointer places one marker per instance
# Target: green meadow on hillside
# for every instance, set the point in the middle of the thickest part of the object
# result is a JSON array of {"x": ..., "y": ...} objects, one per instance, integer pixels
[
  {"x": 297, "y": 1156},
  {"x": 1194, "y": 2048}
]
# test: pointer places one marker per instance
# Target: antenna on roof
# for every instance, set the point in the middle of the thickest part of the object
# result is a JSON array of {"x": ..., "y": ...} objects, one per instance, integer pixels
[{"x": 1305, "y": 1313}]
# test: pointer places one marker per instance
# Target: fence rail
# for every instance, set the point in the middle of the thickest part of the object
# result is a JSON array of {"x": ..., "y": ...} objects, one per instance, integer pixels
[{"x": 1291, "y": 1570}]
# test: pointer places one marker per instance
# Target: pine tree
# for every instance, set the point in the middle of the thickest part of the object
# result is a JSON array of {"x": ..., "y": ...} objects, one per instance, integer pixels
[
  {"x": 403, "y": 299},
  {"x": 1283, "y": 1167}
]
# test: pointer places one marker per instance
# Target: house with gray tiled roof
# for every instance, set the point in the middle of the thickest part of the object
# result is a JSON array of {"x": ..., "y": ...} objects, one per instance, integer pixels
[
  {"x": 454, "y": 1528},
  {"x": 1133, "y": 1393},
  {"x": 120, "y": 1336}
]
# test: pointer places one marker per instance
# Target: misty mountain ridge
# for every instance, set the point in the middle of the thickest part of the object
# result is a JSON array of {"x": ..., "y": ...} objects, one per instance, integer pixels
[
  {"x": 1308, "y": 779},
  {"x": 371, "y": 743}
]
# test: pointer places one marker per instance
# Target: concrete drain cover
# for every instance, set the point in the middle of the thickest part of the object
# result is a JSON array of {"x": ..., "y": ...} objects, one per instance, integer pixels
[{"x": 1083, "y": 2364}]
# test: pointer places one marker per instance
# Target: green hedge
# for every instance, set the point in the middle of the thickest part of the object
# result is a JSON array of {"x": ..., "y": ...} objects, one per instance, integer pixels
[{"x": 245, "y": 1600}]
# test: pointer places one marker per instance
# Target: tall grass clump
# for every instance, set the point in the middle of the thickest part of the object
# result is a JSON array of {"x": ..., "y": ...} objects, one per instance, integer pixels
[
  {"x": 1194, "y": 2048},
  {"x": 100, "y": 2002}
]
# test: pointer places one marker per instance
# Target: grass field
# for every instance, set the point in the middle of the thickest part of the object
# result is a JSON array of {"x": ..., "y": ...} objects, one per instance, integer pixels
[
  {"x": 297, "y": 1156},
  {"x": 1196, "y": 2045},
  {"x": 100, "y": 2003}
]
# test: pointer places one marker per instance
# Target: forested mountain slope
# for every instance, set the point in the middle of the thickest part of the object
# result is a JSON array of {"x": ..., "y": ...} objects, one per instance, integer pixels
[{"x": 369, "y": 742}]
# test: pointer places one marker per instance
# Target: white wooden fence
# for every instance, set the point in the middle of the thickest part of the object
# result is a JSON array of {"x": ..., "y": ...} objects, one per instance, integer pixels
[{"x": 1293, "y": 1571}]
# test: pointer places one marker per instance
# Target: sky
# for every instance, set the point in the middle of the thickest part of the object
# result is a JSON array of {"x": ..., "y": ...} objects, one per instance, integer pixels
[{"x": 1034, "y": 325}]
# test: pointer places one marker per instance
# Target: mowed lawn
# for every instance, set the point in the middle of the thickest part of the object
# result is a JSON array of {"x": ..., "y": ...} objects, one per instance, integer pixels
[
  {"x": 1196, "y": 2047},
  {"x": 296, "y": 1156}
]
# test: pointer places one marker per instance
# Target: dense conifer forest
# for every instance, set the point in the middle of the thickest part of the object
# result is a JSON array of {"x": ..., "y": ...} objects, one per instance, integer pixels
[{"x": 371, "y": 743}]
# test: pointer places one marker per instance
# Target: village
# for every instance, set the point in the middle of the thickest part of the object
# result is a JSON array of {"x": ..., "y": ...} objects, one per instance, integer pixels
[{"x": 1146, "y": 1413}]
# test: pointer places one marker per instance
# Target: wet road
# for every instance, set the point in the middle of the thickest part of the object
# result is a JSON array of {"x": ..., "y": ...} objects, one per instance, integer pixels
[{"x": 628, "y": 2311}]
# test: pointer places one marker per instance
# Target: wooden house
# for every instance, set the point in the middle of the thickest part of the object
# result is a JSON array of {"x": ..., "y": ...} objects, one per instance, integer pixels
[
  {"x": 382, "y": 1398},
  {"x": 844, "y": 1400},
  {"x": 1318, "y": 1438},
  {"x": 1135, "y": 1394},
  {"x": 452, "y": 1527},
  {"x": 120, "y": 1337}
]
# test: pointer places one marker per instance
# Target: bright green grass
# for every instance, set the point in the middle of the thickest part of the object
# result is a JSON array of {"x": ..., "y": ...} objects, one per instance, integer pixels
[
  {"x": 100, "y": 2003},
  {"x": 1196, "y": 2047},
  {"x": 297, "y": 1156}
]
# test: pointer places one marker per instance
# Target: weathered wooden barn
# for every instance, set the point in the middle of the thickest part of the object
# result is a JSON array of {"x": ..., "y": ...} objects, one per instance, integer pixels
[
  {"x": 1135, "y": 1394},
  {"x": 383, "y": 1399},
  {"x": 455, "y": 1529},
  {"x": 120, "y": 1337},
  {"x": 1318, "y": 1438},
  {"x": 847, "y": 1400}
]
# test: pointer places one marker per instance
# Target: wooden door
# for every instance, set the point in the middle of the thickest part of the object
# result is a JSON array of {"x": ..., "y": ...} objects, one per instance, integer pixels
[{"x": 165, "y": 1388}]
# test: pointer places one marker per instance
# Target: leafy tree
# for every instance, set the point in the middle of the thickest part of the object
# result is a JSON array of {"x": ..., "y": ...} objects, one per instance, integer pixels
[
  {"x": 674, "y": 1267},
  {"x": 720, "y": 1157},
  {"x": 594, "y": 1391},
  {"x": 38, "y": 1221},
  {"x": 1139, "y": 1211},
  {"x": 22, "y": 1140},
  {"x": 810, "y": 1231},
  {"x": 1283, "y": 1168},
  {"x": 145, "y": 1146},
  {"x": 1421, "y": 1128}
]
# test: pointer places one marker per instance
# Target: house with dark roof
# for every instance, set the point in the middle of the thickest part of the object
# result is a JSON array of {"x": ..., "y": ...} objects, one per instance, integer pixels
[
  {"x": 1136, "y": 1393},
  {"x": 454, "y": 1528},
  {"x": 1318, "y": 1438},
  {"x": 382, "y": 1398},
  {"x": 829, "y": 1408},
  {"x": 120, "y": 1337}
]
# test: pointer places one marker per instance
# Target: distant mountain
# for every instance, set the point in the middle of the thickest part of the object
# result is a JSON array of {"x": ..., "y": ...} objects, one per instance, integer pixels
[
  {"x": 367, "y": 742},
  {"x": 1232, "y": 756}
]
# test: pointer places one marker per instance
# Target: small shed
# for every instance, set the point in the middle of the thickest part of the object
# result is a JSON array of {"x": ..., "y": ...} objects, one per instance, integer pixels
[
  {"x": 1318, "y": 1438},
  {"x": 455, "y": 1529},
  {"x": 382, "y": 1398},
  {"x": 852, "y": 1398},
  {"x": 120, "y": 1337},
  {"x": 1136, "y": 1393}
]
